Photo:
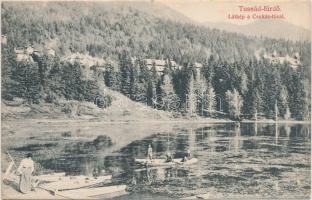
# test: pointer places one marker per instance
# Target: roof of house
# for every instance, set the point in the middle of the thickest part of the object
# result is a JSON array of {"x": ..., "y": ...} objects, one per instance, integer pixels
[
  {"x": 155, "y": 61},
  {"x": 198, "y": 65},
  {"x": 84, "y": 59}
]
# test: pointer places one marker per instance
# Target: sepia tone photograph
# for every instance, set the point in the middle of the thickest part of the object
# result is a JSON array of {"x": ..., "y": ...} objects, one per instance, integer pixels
[{"x": 156, "y": 99}]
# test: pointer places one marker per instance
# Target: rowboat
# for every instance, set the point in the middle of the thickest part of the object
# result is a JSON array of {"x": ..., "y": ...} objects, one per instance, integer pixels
[
  {"x": 163, "y": 162},
  {"x": 50, "y": 177},
  {"x": 92, "y": 193},
  {"x": 75, "y": 182},
  {"x": 153, "y": 167},
  {"x": 42, "y": 178},
  {"x": 10, "y": 174}
]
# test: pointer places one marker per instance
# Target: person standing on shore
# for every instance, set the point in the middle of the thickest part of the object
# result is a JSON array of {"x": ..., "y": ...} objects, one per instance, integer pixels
[{"x": 25, "y": 170}]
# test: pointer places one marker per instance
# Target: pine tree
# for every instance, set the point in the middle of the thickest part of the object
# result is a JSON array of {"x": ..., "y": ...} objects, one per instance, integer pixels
[
  {"x": 272, "y": 86},
  {"x": 201, "y": 91},
  {"x": 150, "y": 93},
  {"x": 282, "y": 100},
  {"x": 143, "y": 77},
  {"x": 125, "y": 65},
  {"x": 134, "y": 76},
  {"x": 208, "y": 69},
  {"x": 169, "y": 97},
  {"x": 110, "y": 76},
  {"x": 243, "y": 87},
  {"x": 72, "y": 79},
  {"x": 287, "y": 114},
  {"x": 235, "y": 103},
  {"x": 154, "y": 76},
  {"x": 191, "y": 98},
  {"x": 160, "y": 94},
  {"x": 28, "y": 81},
  {"x": 167, "y": 84},
  {"x": 211, "y": 100},
  {"x": 8, "y": 84}
]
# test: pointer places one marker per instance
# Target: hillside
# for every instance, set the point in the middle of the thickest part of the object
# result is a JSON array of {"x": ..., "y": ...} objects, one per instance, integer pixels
[
  {"x": 158, "y": 10},
  {"x": 60, "y": 51},
  {"x": 277, "y": 29},
  {"x": 122, "y": 110},
  {"x": 104, "y": 29}
]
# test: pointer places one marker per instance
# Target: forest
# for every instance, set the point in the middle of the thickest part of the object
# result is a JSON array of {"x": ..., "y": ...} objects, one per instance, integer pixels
[{"x": 232, "y": 79}]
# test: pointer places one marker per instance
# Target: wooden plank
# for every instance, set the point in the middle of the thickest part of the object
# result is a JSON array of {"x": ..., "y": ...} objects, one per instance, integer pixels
[
  {"x": 73, "y": 195},
  {"x": 204, "y": 196},
  {"x": 75, "y": 182},
  {"x": 91, "y": 192},
  {"x": 112, "y": 195},
  {"x": 51, "y": 177},
  {"x": 8, "y": 170},
  {"x": 66, "y": 196}
]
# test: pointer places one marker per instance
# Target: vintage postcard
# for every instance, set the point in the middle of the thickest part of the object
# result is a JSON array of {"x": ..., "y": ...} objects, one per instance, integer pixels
[{"x": 156, "y": 99}]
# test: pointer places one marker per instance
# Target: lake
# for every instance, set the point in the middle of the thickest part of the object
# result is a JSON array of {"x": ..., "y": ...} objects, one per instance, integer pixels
[{"x": 246, "y": 159}]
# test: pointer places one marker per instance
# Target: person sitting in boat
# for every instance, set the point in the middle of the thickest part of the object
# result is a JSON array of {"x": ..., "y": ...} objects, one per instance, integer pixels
[
  {"x": 188, "y": 154},
  {"x": 96, "y": 172},
  {"x": 150, "y": 152},
  {"x": 169, "y": 157},
  {"x": 25, "y": 170},
  {"x": 184, "y": 159}
]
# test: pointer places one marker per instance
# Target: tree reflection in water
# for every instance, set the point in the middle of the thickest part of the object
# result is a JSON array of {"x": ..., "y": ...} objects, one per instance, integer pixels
[{"x": 253, "y": 158}]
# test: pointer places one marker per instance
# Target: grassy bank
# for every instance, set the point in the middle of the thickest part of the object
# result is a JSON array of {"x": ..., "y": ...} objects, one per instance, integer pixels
[{"x": 121, "y": 110}]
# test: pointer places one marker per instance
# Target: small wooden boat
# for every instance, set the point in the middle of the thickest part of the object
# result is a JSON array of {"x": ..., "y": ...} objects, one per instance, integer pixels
[
  {"x": 91, "y": 193},
  {"x": 50, "y": 177},
  {"x": 10, "y": 175},
  {"x": 46, "y": 178},
  {"x": 163, "y": 162},
  {"x": 153, "y": 167},
  {"x": 75, "y": 182}
]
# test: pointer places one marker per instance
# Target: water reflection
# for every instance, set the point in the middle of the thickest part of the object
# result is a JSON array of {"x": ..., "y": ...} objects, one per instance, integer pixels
[
  {"x": 233, "y": 158},
  {"x": 246, "y": 158}
]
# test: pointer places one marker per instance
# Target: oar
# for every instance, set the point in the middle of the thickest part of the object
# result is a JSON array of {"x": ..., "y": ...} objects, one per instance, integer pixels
[
  {"x": 7, "y": 171},
  {"x": 11, "y": 159}
]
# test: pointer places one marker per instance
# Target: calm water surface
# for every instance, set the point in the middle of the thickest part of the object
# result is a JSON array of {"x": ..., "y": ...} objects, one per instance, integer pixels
[{"x": 261, "y": 160}]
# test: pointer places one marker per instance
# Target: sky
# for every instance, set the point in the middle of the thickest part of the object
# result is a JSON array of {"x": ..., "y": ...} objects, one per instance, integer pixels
[{"x": 297, "y": 12}]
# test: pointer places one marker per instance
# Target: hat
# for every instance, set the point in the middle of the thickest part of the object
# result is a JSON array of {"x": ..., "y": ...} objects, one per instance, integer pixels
[{"x": 29, "y": 155}]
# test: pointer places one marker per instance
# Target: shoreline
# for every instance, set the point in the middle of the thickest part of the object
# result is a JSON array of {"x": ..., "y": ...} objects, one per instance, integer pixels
[{"x": 175, "y": 121}]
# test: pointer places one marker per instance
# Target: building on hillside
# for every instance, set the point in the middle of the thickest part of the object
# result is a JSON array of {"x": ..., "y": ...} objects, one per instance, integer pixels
[
  {"x": 51, "y": 52},
  {"x": 27, "y": 53},
  {"x": 198, "y": 67},
  {"x": 160, "y": 65},
  {"x": 293, "y": 61},
  {"x": 84, "y": 60},
  {"x": 24, "y": 53},
  {"x": 3, "y": 40},
  {"x": 29, "y": 50},
  {"x": 19, "y": 50},
  {"x": 87, "y": 63}
]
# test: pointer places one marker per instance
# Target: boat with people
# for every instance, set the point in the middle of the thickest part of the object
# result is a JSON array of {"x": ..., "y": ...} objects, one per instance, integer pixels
[
  {"x": 168, "y": 161},
  {"x": 60, "y": 185},
  {"x": 164, "y": 162},
  {"x": 73, "y": 187}
]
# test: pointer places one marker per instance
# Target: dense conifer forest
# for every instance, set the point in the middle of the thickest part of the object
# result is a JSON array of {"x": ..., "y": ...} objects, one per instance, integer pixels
[{"x": 232, "y": 79}]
